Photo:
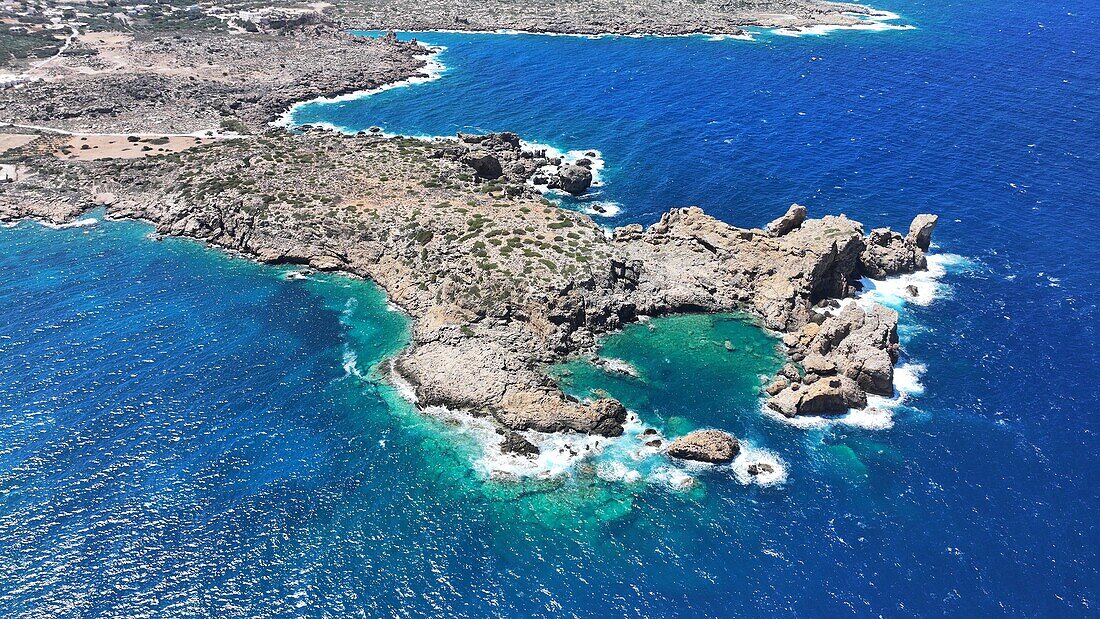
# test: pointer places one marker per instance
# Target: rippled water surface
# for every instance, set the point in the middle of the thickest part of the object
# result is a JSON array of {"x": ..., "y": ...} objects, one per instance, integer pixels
[{"x": 187, "y": 434}]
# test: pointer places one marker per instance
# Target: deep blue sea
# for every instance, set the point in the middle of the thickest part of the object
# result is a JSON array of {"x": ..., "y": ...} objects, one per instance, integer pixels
[{"x": 185, "y": 433}]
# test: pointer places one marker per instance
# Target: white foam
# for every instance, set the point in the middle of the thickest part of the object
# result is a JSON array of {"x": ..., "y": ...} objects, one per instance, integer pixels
[
  {"x": 601, "y": 208},
  {"x": 618, "y": 366},
  {"x": 351, "y": 364},
  {"x": 892, "y": 291},
  {"x": 671, "y": 477},
  {"x": 618, "y": 472},
  {"x": 874, "y": 417},
  {"x": 875, "y": 22},
  {"x": 86, "y": 222},
  {"x": 877, "y": 415},
  {"x": 623, "y": 459},
  {"x": 570, "y": 156},
  {"x": 432, "y": 70},
  {"x": 756, "y": 455}
]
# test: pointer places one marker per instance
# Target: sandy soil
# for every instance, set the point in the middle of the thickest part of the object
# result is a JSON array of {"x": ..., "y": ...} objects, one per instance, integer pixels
[
  {"x": 9, "y": 141},
  {"x": 91, "y": 147},
  {"x": 118, "y": 53}
]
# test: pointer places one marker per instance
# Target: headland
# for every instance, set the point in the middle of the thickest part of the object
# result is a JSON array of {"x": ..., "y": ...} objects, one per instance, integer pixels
[{"x": 499, "y": 282}]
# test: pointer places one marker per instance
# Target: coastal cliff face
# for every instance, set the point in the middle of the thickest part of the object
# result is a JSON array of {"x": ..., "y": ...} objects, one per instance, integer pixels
[{"x": 499, "y": 281}]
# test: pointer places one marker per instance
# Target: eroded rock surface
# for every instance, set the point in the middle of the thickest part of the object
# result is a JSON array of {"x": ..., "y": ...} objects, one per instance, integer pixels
[
  {"x": 713, "y": 446},
  {"x": 920, "y": 230},
  {"x": 792, "y": 219},
  {"x": 845, "y": 357}
]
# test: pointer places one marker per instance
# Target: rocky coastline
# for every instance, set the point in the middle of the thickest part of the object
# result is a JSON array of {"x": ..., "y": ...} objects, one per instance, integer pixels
[
  {"x": 499, "y": 282},
  {"x": 599, "y": 17}
]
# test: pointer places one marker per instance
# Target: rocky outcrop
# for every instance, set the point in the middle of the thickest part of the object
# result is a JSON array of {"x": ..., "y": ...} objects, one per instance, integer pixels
[
  {"x": 760, "y": 468},
  {"x": 832, "y": 395},
  {"x": 641, "y": 17},
  {"x": 513, "y": 443},
  {"x": 184, "y": 82},
  {"x": 484, "y": 164},
  {"x": 920, "y": 230},
  {"x": 495, "y": 294},
  {"x": 572, "y": 178},
  {"x": 713, "y": 446},
  {"x": 693, "y": 262},
  {"x": 793, "y": 218},
  {"x": 845, "y": 357},
  {"x": 888, "y": 253}
]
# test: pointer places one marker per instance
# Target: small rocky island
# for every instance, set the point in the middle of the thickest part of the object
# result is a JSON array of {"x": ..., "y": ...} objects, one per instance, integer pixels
[{"x": 499, "y": 282}]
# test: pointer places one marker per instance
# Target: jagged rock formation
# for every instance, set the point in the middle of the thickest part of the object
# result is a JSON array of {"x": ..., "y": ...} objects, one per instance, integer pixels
[
  {"x": 713, "y": 446},
  {"x": 513, "y": 443},
  {"x": 920, "y": 231},
  {"x": 501, "y": 157},
  {"x": 693, "y": 262},
  {"x": 888, "y": 253},
  {"x": 846, "y": 356},
  {"x": 792, "y": 219},
  {"x": 572, "y": 178}
]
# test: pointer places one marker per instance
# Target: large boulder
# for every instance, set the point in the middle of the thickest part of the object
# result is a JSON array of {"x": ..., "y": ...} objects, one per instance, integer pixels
[
  {"x": 484, "y": 164},
  {"x": 572, "y": 179},
  {"x": 791, "y": 220},
  {"x": 609, "y": 414},
  {"x": 836, "y": 394},
  {"x": 920, "y": 231},
  {"x": 888, "y": 253},
  {"x": 712, "y": 446},
  {"x": 826, "y": 396}
]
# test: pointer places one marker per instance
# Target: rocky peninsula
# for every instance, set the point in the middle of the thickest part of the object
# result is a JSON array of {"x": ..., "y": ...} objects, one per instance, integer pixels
[{"x": 499, "y": 282}]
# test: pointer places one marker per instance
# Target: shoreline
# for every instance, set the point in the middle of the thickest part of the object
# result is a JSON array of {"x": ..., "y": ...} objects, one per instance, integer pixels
[
  {"x": 486, "y": 319},
  {"x": 874, "y": 20}
]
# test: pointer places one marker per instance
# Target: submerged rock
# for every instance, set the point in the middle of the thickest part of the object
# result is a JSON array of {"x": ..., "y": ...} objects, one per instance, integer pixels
[
  {"x": 513, "y": 443},
  {"x": 712, "y": 446}
]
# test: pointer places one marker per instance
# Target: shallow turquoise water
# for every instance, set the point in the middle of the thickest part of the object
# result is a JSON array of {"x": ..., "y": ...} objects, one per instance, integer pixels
[{"x": 182, "y": 433}]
